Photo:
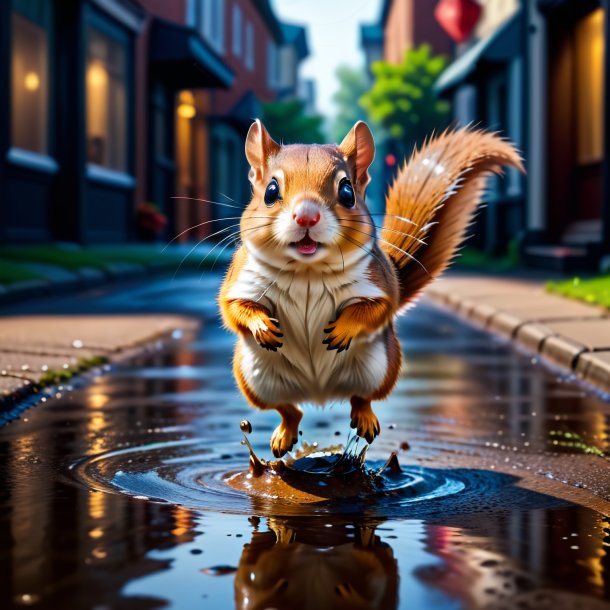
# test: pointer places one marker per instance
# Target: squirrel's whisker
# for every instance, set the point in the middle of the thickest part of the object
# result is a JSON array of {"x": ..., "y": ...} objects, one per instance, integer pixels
[
  {"x": 417, "y": 239},
  {"x": 408, "y": 254},
  {"x": 201, "y": 241},
  {"x": 226, "y": 205},
  {"x": 341, "y": 251},
  {"x": 201, "y": 224}
]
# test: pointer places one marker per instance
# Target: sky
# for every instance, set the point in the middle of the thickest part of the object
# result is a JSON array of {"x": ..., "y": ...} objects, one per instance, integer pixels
[{"x": 333, "y": 30}]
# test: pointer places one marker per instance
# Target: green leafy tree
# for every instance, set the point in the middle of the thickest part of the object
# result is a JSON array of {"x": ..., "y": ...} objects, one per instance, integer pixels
[
  {"x": 402, "y": 99},
  {"x": 352, "y": 86},
  {"x": 287, "y": 122}
]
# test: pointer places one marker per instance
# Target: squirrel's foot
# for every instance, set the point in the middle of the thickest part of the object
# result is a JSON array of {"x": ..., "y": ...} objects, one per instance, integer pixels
[
  {"x": 339, "y": 335},
  {"x": 286, "y": 435},
  {"x": 363, "y": 419},
  {"x": 267, "y": 333}
]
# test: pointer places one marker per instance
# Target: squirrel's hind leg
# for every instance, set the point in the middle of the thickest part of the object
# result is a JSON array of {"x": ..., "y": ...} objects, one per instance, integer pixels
[
  {"x": 286, "y": 435},
  {"x": 363, "y": 419}
]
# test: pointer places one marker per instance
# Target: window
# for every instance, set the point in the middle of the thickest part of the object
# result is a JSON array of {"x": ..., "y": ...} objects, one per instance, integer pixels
[
  {"x": 249, "y": 46},
  {"x": 212, "y": 23},
  {"x": 272, "y": 65},
  {"x": 106, "y": 101},
  {"x": 236, "y": 35},
  {"x": 30, "y": 75}
]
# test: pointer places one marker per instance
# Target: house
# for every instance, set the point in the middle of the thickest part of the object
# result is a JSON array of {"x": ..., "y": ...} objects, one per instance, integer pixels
[
  {"x": 249, "y": 36},
  {"x": 485, "y": 84},
  {"x": 537, "y": 72},
  {"x": 293, "y": 51},
  {"x": 87, "y": 112},
  {"x": 406, "y": 24}
]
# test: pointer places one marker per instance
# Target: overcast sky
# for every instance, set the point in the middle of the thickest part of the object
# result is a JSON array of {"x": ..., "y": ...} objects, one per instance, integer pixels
[{"x": 333, "y": 29}]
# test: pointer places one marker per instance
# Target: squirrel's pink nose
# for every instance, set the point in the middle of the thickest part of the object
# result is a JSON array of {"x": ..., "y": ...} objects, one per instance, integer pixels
[{"x": 306, "y": 214}]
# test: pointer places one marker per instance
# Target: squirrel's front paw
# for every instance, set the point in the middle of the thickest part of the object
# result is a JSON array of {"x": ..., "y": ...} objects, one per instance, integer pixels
[
  {"x": 339, "y": 337},
  {"x": 267, "y": 333}
]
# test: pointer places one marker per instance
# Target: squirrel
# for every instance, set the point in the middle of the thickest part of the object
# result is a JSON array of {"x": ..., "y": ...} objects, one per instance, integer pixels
[{"x": 313, "y": 292}]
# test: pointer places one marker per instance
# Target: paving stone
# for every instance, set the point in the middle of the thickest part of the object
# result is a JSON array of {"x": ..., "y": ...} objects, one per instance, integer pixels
[
  {"x": 482, "y": 307},
  {"x": 33, "y": 367},
  {"x": 11, "y": 385},
  {"x": 594, "y": 367},
  {"x": 508, "y": 320},
  {"x": 532, "y": 335},
  {"x": 98, "y": 334}
]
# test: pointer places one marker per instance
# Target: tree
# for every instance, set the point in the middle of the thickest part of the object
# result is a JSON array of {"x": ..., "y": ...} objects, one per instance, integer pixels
[
  {"x": 352, "y": 86},
  {"x": 402, "y": 99},
  {"x": 287, "y": 122}
]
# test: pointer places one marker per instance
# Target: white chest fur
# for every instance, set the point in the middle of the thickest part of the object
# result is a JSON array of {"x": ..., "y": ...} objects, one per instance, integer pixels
[{"x": 303, "y": 370}]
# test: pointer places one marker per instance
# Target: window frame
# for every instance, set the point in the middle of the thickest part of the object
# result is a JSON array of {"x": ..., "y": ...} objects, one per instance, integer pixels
[
  {"x": 123, "y": 36},
  {"x": 46, "y": 158},
  {"x": 237, "y": 23},
  {"x": 250, "y": 51}
]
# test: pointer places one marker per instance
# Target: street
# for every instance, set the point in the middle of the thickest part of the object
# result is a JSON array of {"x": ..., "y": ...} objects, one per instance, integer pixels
[{"x": 115, "y": 494}]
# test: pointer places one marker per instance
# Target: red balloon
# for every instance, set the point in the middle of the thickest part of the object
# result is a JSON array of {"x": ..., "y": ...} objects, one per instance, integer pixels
[{"x": 458, "y": 17}]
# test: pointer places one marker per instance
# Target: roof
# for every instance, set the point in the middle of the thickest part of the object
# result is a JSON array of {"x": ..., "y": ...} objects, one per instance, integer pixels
[
  {"x": 497, "y": 47},
  {"x": 296, "y": 35},
  {"x": 270, "y": 18},
  {"x": 185, "y": 59},
  {"x": 371, "y": 33},
  {"x": 385, "y": 9}
]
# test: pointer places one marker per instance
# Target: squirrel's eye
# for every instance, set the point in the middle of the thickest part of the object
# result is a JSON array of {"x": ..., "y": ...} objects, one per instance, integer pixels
[
  {"x": 272, "y": 193},
  {"x": 346, "y": 194}
]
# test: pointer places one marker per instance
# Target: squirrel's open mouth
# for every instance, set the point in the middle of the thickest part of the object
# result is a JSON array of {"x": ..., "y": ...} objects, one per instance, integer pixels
[{"x": 306, "y": 246}]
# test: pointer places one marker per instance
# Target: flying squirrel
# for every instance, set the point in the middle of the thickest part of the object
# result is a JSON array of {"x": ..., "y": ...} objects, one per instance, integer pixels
[{"x": 313, "y": 291}]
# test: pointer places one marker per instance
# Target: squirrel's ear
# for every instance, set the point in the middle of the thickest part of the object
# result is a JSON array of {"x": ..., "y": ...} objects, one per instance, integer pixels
[
  {"x": 259, "y": 147},
  {"x": 358, "y": 147}
]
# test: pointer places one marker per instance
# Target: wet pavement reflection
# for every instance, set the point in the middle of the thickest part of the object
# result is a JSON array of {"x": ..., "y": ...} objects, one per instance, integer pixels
[{"x": 116, "y": 494}]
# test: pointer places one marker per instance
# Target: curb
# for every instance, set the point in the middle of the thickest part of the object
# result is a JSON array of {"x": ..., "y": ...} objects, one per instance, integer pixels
[
  {"x": 30, "y": 386},
  {"x": 568, "y": 334}
]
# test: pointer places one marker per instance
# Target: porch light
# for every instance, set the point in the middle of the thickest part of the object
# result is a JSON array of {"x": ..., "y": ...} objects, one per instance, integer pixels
[
  {"x": 186, "y": 110},
  {"x": 31, "y": 81}
]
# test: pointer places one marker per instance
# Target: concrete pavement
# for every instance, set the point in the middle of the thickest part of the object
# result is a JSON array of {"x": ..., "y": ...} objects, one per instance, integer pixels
[
  {"x": 38, "y": 351},
  {"x": 570, "y": 334}
]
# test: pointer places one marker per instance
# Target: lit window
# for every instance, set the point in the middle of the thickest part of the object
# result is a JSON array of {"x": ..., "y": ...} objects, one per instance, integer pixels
[
  {"x": 236, "y": 36},
  {"x": 30, "y": 75},
  {"x": 249, "y": 46},
  {"x": 106, "y": 101}
]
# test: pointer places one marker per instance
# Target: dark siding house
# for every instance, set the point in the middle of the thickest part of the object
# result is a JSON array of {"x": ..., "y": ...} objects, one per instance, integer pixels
[
  {"x": 539, "y": 76},
  {"x": 87, "y": 91}
]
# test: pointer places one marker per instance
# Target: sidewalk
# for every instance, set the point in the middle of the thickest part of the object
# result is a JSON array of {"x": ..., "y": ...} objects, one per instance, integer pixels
[
  {"x": 570, "y": 334},
  {"x": 44, "y": 351}
]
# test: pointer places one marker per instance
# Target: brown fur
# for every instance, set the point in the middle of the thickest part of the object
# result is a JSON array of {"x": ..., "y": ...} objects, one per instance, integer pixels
[{"x": 429, "y": 207}]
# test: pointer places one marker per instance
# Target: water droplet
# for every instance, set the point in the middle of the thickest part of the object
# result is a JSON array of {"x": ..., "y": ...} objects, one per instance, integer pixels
[{"x": 77, "y": 344}]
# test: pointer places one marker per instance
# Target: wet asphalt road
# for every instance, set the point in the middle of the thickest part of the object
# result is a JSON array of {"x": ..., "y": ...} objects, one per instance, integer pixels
[{"x": 114, "y": 494}]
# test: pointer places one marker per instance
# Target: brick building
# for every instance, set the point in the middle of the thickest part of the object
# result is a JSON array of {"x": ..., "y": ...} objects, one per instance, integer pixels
[{"x": 105, "y": 104}]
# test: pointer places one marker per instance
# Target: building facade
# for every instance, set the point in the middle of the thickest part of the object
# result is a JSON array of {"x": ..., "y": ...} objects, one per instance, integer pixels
[
  {"x": 537, "y": 72},
  {"x": 407, "y": 24},
  {"x": 107, "y": 104}
]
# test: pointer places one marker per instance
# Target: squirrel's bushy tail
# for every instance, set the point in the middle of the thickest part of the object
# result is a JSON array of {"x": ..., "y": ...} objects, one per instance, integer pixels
[{"x": 438, "y": 191}]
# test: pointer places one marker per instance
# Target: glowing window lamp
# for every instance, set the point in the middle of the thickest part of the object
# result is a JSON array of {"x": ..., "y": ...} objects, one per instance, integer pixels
[
  {"x": 186, "y": 106},
  {"x": 31, "y": 81}
]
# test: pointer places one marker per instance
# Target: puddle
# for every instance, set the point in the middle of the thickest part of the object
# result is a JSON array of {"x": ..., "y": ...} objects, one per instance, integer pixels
[{"x": 134, "y": 492}]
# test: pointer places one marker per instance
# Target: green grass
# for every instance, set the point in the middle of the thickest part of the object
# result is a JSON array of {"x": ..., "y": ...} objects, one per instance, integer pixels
[
  {"x": 70, "y": 259},
  {"x": 595, "y": 290},
  {"x": 11, "y": 273}
]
